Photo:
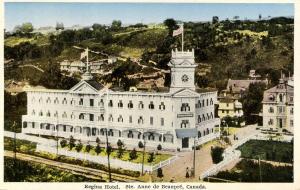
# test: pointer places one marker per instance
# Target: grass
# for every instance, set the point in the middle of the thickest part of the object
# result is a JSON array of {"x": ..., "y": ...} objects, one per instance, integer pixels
[
  {"x": 13, "y": 41},
  {"x": 125, "y": 157},
  {"x": 267, "y": 150},
  {"x": 21, "y": 145},
  {"x": 253, "y": 34},
  {"x": 248, "y": 171},
  {"x": 131, "y": 52}
]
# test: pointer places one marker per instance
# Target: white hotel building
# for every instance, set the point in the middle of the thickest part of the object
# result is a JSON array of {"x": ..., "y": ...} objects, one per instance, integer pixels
[{"x": 173, "y": 119}]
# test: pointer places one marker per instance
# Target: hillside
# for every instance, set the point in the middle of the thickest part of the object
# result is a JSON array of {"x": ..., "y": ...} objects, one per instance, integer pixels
[{"x": 225, "y": 49}]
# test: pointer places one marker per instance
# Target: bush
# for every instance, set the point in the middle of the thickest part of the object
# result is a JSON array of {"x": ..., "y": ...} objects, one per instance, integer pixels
[
  {"x": 98, "y": 149},
  {"x": 216, "y": 154},
  {"x": 63, "y": 143},
  {"x": 71, "y": 142},
  {"x": 98, "y": 140},
  {"x": 133, "y": 154},
  {"x": 141, "y": 145},
  {"x": 88, "y": 147},
  {"x": 159, "y": 147},
  {"x": 79, "y": 146}
]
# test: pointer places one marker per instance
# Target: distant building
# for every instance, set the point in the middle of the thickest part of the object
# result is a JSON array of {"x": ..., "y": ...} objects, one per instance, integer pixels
[
  {"x": 252, "y": 74},
  {"x": 278, "y": 107},
  {"x": 240, "y": 86}
]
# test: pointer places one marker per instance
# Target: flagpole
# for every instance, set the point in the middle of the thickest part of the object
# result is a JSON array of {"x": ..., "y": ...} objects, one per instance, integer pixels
[
  {"x": 87, "y": 59},
  {"x": 182, "y": 38}
]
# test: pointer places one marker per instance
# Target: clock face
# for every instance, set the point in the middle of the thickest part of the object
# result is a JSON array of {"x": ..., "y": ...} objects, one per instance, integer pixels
[{"x": 184, "y": 78}]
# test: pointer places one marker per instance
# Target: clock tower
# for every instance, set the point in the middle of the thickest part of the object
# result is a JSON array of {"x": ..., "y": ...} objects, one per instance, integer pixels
[{"x": 182, "y": 66}]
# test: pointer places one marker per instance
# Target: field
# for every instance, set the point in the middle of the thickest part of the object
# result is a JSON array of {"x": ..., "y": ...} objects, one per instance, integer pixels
[{"x": 268, "y": 150}]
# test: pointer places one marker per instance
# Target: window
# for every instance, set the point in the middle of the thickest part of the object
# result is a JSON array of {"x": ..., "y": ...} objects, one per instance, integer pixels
[
  {"x": 271, "y": 110},
  {"x": 101, "y": 117},
  {"x": 81, "y": 116},
  {"x": 110, "y": 118},
  {"x": 227, "y": 111},
  {"x": 292, "y": 111},
  {"x": 81, "y": 101},
  {"x": 120, "y": 104},
  {"x": 227, "y": 105},
  {"x": 33, "y": 112},
  {"x": 271, "y": 97},
  {"x": 130, "y": 119},
  {"x": 48, "y": 101},
  {"x": 185, "y": 107},
  {"x": 291, "y": 98},
  {"x": 72, "y": 116},
  {"x": 184, "y": 123},
  {"x": 140, "y": 120},
  {"x": 199, "y": 119},
  {"x": 56, "y": 114},
  {"x": 270, "y": 122},
  {"x": 206, "y": 102},
  {"x": 130, "y": 104},
  {"x": 280, "y": 98},
  {"x": 223, "y": 111},
  {"x": 41, "y": 113},
  {"x": 92, "y": 102},
  {"x": 91, "y": 117},
  {"x": 72, "y": 101},
  {"x": 56, "y": 101},
  {"x": 208, "y": 116},
  {"x": 48, "y": 114},
  {"x": 281, "y": 109},
  {"x": 40, "y": 100},
  {"x": 64, "y": 115},
  {"x": 151, "y": 120},
  {"x": 110, "y": 103},
  {"x": 151, "y": 105},
  {"x": 199, "y": 103},
  {"x": 64, "y": 101},
  {"x": 211, "y": 101},
  {"x": 101, "y": 103},
  {"x": 130, "y": 134},
  {"x": 162, "y": 106},
  {"x": 120, "y": 118},
  {"x": 211, "y": 115},
  {"x": 141, "y": 105},
  {"x": 162, "y": 121},
  {"x": 203, "y": 103},
  {"x": 291, "y": 123}
]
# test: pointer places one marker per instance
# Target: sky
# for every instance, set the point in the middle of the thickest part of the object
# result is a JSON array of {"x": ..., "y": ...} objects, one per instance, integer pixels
[{"x": 85, "y": 14}]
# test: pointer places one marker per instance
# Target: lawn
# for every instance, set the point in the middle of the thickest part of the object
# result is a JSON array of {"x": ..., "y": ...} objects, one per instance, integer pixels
[
  {"x": 268, "y": 150},
  {"x": 13, "y": 41},
  {"x": 125, "y": 157},
  {"x": 248, "y": 171},
  {"x": 33, "y": 172},
  {"x": 21, "y": 145}
]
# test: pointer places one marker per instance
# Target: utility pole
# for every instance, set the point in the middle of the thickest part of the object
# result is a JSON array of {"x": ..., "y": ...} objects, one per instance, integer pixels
[
  {"x": 143, "y": 154},
  {"x": 259, "y": 169},
  {"x": 194, "y": 160},
  {"x": 108, "y": 153},
  {"x": 15, "y": 143}
]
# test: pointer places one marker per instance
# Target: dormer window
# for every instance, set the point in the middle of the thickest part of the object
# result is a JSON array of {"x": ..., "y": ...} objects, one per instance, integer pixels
[
  {"x": 120, "y": 104},
  {"x": 130, "y": 104},
  {"x": 151, "y": 105},
  {"x": 141, "y": 105},
  {"x": 162, "y": 106}
]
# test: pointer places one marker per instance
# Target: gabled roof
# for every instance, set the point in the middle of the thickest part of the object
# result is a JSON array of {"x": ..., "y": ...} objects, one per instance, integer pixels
[
  {"x": 185, "y": 92},
  {"x": 86, "y": 87}
]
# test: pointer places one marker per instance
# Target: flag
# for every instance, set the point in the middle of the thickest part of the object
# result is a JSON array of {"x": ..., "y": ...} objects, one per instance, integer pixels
[
  {"x": 84, "y": 54},
  {"x": 178, "y": 31}
]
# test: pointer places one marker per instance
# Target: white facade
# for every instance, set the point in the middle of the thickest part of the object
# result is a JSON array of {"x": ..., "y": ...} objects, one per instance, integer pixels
[
  {"x": 278, "y": 108},
  {"x": 171, "y": 119}
]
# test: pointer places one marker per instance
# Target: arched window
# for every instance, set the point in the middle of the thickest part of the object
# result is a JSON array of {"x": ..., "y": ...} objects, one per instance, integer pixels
[
  {"x": 110, "y": 103},
  {"x": 199, "y": 119},
  {"x": 141, "y": 105},
  {"x": 64, "y": 101},
  {"x": 72, "y": 102},
  {"x": 56, "y": 101},
  {"x": 206, "y": 102},
  {"x": 140, "y": 120},
  {"x": 64, "y": 115},
  {"x": 120, "y": 104},
  {"x": 211, "y": 101},
  {"x": 211, "y": 115},
  {"x": 120, "y": 118},
  {"x": 184, "y": 123},
  {"x": 41, "y": 113},
  {"x": 199, "y": 134},
  {"x": 151, "y": 105},
  {"x": 101, "y": 103},
  {"x": 162, "y": 106},
  {"x": 72, "y": 116},
  {"x": 48, "y": 114},
  {"x": 130, "y": 134},
  {"x": 48, "y": 101},
  {"x": 110, "y": 118},
  {"x": 203, "y": 103},
  {"x": 185, "y": 107},
  {"x": 56, "y": 114},
  {"x": 130, "y": 104}
]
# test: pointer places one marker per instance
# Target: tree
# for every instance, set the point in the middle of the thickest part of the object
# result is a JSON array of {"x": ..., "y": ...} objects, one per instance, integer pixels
[
  {"x": 63, "y": 143},
  {"x": 159, "y": 147},
  {"x": 116, "y": 25},
  {"x": 27, "y": 27},
  {"x": 133, "y": 154},
  {"x": 120, "y": 148},
  {"x": 171, "y": 24},
  {"x": 71, "y": 142},
  {"x": 215, "y": 19},
  {"x": 251, "y": 101},
  {"x": 151, "y": 157},
  {"x": 141, "y": 145},
  {"x": 98, "y": 140},
  {"x": 79, "y": 146},
  {"x": 98, "y": 149},
  {"x": 216, "y": 154},
  {"x": 88, "y": 148}
]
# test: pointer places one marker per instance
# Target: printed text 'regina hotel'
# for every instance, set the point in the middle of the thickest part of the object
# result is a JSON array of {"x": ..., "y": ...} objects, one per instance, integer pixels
[{"x": 173, "y": 119}]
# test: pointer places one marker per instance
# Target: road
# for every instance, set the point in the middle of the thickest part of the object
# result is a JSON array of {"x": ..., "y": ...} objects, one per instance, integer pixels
[{"x": 75, "y": 169}]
